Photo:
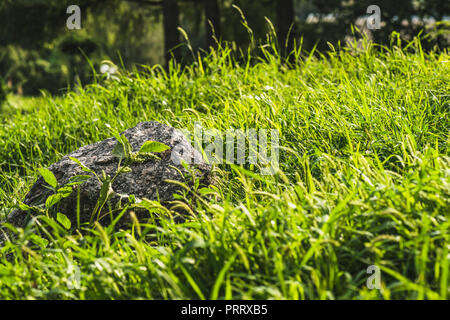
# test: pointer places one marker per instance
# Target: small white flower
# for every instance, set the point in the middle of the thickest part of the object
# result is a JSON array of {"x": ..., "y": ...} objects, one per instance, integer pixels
[
  {"x": 104, "y": 68},
  {"x": 112, "y": 70}
]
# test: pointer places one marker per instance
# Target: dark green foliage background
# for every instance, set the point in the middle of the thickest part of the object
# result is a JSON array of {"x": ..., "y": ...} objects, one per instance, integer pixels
[{"x": 38, "y": 52}]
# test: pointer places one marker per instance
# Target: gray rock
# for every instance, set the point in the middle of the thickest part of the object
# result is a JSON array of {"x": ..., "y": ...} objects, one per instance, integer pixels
[{"x": 146, "y": 179}]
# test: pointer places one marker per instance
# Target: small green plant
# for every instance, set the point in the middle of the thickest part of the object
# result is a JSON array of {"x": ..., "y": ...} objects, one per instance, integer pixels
[
  {"x": 57, "y": 194},
  {"x": 124, "y": 152}
]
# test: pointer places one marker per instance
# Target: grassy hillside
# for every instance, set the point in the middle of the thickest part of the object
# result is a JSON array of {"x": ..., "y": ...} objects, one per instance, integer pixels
[{"x": 363, "y": 180}]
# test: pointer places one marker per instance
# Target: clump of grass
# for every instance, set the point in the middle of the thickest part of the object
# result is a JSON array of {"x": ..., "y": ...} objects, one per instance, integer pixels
[{"x": 363, "y": 180}]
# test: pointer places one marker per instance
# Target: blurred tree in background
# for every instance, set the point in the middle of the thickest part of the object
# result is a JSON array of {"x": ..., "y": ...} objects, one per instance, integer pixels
[{"x": 37, "y": 51}]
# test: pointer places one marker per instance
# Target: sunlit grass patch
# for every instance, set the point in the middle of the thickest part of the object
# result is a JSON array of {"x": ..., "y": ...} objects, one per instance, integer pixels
[{"x": 363, "y": 180}]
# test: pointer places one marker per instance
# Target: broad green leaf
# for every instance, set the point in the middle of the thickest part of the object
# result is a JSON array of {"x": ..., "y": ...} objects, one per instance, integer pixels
[
  {"x": 49, "y": 177},
  {"x": 79, "y": 179},
  {"x": 119, "y": 151},
  {"x": 38, "y": 240},
  {"x": 65, "y": 222},
  {"x": 83, "y": 167},
  {"x": 63, "y": 192},
  {"x": 105, "y": 191},
  {"x": 153, "y": 146},
  {"x": 24, "y": 207},
  {"x": 122, "y": 149},
  {"x": 53, "y": 199}
]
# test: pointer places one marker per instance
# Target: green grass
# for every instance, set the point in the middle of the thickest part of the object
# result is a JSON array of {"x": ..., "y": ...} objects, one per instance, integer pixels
[{"x": 364, "y": 180}]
